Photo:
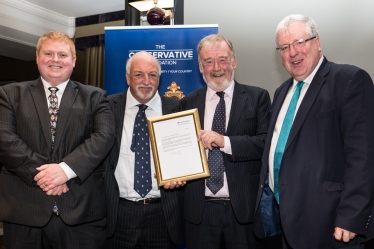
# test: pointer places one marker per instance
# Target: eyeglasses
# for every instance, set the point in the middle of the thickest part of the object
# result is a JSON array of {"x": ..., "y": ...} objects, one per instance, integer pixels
[{"x": 296, "y": 44}]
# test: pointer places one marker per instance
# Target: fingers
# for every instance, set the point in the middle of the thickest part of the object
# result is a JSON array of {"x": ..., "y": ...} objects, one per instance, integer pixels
[
  {"x": 342, "y": 234},
  {"x": 211, "y": 139},
  {"x": 59, "y": 190},
  {"x": 172, "y": 185}
]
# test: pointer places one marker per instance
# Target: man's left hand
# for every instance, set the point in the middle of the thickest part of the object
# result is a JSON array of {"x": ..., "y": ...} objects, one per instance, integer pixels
[
  {"x": 50, "y": 176},
  {"x": 341, "y": 234},
  {"x": 211, "y": 139}
]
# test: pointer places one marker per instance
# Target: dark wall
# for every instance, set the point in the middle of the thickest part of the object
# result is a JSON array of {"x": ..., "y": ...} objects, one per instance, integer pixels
[{"x": 19, "y": 70}]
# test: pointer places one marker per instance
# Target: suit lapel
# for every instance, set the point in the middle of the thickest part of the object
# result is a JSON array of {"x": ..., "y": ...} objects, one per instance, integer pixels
[
  {"x": 238, "y": 103},
  {"x": 118, "y": 108},
  {"x": 67, "y": 101},
  {"x": 200, "y": 104},
  {"x": 309, "y": 99},
  {"x": 41, "y": 106},
  {"x": 167, "y": 108}
]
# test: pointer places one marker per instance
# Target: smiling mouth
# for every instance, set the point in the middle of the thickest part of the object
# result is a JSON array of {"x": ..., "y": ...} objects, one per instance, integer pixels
[
  {"x": 296, "y": 62},
  {"x": 55, "y": 67},
  {"x": 218, "y": 74}
]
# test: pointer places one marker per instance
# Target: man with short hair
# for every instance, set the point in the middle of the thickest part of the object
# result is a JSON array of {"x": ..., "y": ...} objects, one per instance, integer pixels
[
  {"x": 55, "y": 133},
  {"x": 234, "y": 117},
  {"x": 319, "y": 151},
  {"x": 140, "y": 215}
]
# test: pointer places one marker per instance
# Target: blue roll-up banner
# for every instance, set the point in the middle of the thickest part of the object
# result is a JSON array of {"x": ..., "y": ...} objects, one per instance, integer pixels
[{"x": 173, "y": 45}]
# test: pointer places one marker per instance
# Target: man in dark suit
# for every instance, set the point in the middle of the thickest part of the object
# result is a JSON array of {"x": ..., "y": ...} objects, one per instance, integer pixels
[
  {"x": 54, "y": 135},
  {"x": 136, "y": 219},
  {"x": 219, "y": 210},
  {"x": 319, "y": 152}
]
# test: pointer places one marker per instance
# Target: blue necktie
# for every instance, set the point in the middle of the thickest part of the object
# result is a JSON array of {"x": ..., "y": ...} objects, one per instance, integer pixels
[
  {"x": 140, "y": 146},
  {"x": 215, "y": 157},
  {"x": 283, "y": 136}
]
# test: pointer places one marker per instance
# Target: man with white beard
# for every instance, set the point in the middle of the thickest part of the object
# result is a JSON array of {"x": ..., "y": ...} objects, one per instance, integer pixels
[
  {"x": 140, "y": 215},
  {"x": 219, "y": 209}
]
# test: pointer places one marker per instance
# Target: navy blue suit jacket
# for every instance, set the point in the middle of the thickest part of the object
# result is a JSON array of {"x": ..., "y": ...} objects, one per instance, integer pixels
[{"x": 327, "y": 172}]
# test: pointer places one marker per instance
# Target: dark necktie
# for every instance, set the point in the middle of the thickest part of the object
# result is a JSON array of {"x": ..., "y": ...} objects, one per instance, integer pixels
[
  {"x": 53, "y": 111},
  {"x": 283, "y": 136},
  {"x": 215, "y": 157},
  {"x": 140, "y": 146}
]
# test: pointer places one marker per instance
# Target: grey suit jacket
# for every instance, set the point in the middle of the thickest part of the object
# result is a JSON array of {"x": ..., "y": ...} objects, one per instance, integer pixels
[
  {"x": 247, "y": 127},
  {"x": 171, "y": 199},
  {"x": 84, "y": 135}
]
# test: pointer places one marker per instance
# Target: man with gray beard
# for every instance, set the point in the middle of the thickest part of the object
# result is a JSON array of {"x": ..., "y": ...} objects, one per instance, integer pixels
[
  {"x": 234, "y": 117},
  {"x": 140, "y": 214}
]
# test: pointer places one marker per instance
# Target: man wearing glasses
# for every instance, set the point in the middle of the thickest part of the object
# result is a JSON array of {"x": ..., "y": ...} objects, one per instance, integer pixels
[{"x": 319, "y": 151}]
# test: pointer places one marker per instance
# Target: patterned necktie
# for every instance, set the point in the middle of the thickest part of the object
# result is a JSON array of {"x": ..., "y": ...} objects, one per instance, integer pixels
[
  {"x": 53, "y": 111},
  {"x": 140, "y": 146},
  {"x": 215, "y": 157},
  {"x": 283, "y": 136}
]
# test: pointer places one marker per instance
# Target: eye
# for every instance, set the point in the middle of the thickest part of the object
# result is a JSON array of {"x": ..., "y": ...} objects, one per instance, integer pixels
[
  {"x": 47, "y": 53},
  {"x": 138, "y": 75},
  {"x": 63, "y": 55},
  {"x": 152, "y": 76},
  {"x": 208, "y": 62},
  {"x": 284, "y": 48},
  {"x": 223, "y": 61},
  {"x": 299, "y": 42}
]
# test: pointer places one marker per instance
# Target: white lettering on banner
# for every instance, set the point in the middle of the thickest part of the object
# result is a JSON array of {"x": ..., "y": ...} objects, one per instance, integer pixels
[{"x": 186, "y": 54}]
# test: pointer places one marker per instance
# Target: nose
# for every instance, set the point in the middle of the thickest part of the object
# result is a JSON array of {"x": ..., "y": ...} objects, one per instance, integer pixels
[
  {"x": 55, "y": 57},
  {"x": 293, "y": 51}
]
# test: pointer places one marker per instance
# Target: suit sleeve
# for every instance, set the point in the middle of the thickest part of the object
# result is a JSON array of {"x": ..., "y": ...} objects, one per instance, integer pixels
[
  {"x": 86, "y": 157},
  {"x": 357, "y": 123},
  {"x": 251, "y": 146},
  {"x": 15, "y": 154}
]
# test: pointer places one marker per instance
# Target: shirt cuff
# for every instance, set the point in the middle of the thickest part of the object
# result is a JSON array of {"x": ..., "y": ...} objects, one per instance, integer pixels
[
  {"x": 227, "y": 148},
  {"x": 68, "y": 171}
]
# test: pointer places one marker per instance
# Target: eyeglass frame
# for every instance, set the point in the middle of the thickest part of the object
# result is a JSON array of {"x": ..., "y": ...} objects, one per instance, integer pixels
[{"x": 293, "y": 44}]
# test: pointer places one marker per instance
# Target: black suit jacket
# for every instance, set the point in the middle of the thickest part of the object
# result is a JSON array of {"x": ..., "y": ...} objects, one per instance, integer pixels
[
  {"x": 84, "y": 132},
  {"x": 247, "y": 127},
  {"x": 327, "y": 173},
  {"x": 171, "y": 199}
]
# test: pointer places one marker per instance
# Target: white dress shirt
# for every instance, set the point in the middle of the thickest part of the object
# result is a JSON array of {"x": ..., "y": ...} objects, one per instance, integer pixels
[
  {"x": 61, "y": 88},
  {"x": 124, "y": 172},
  {"x": 211, "y": 101},
  {"x": 282, "y": 115}
]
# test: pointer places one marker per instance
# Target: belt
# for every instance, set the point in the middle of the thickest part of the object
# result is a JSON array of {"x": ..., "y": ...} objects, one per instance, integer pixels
[
  {"x": 144, "y": 201},
  {"x": 210, "y": 198}
]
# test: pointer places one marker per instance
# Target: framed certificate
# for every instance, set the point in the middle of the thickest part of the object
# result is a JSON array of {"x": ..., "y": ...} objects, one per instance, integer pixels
[{"x": 177, "y": 154}]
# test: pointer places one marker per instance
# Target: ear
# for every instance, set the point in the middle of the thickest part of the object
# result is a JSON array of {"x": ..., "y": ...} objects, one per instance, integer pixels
[
  {"x": 74, "y": 60},
  {"x": 234, "y": 62},
  {"x": 201, "y": 68},
  {"x": 318, "y": 42},
  {"x": 128, "y": 79},
  {"x": 37, "y": 57}
]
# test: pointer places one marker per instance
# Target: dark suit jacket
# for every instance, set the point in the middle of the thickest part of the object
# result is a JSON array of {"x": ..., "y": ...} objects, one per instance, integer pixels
[
  {"x": 171, "y": 199},
  {"x": 327, "y": 173},
  {"x": 84, "y": 133},
  {"x": 248, "y": 123}
]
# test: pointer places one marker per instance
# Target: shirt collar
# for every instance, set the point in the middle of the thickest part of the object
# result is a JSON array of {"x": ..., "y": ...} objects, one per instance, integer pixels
[
  {"x": 229, "y": 91},
  {"x": 131, "y": 102},
  {"x": 61, "y": 87}
]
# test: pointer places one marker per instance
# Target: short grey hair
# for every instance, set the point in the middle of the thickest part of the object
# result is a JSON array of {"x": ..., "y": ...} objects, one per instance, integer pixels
[
  {"x": 214, "y": 40},
  {"x": 142, "y": 54},
  {"x": 310, "y": 25}
]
